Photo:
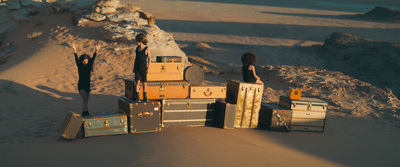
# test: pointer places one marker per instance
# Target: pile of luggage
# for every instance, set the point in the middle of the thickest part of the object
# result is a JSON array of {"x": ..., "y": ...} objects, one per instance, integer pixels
[
  {"x": 177, "y": 98},
  {"x": 294, "y": 112}
]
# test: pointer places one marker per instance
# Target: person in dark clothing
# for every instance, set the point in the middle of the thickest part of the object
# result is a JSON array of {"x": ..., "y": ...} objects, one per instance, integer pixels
[
  {"x": 249, "y": 60},
  {"x": 85, "y": 67},
  {"x": 141, "y": 66}
]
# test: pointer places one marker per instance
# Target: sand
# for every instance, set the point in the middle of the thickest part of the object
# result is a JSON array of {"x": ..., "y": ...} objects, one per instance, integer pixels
[{"x": 38, "y": 88}]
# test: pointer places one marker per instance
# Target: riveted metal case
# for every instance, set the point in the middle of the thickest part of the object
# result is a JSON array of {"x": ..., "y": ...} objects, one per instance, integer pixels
[
  {"x": 247, "y": 97},
  {"x": 71, "y": 125},
  {"x": 142, "y": 117},
  {"x": 275, "y": 117},
  {"x": 309, "y": 114},
  {"x": 188, "y": 112},
  {"x": 108, "y": 124}
]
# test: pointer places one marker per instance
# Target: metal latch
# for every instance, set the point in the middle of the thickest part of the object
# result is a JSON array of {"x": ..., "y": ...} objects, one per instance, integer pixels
[
  {"x": 106, "y": 124},
  {"x": 189, "y": 105},
  {"x": 162, "y": 87}
]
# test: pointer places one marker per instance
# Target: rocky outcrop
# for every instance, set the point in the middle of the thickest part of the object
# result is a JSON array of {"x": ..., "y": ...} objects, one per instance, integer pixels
[
  {"x": 380, "y": 13},
  {"x": 160, "y": 42},
  {"x": 106, "y": 6},
  {"x": 35, "y": 3},
  {"x": 79, "y": 20},
  {"x": 13, "y": 5},
  {"x": 95, "y": 16},
  {"x": 113, "y": 11},
  {"x": 6, "y": 24},
  {"x": 129, "y": 20},
  {"x": 372, "y": 61}
]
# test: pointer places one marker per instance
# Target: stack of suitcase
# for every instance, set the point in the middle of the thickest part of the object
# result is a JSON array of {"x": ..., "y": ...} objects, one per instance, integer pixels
[
  {"x": 177, "y": 90},
  {"x": 308, "y": 114},
  {"x": 294, "y": 113},
  {"x": 178, "y": 99}
]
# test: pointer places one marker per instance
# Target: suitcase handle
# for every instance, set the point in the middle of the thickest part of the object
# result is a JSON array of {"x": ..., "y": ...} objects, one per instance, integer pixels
[
  {"x": 208, "y": 93},
  {"x": 145, "y": 113}
]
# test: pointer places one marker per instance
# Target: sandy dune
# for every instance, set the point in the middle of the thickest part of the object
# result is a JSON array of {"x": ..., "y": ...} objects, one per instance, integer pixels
[{"x": 38, "y": 87}]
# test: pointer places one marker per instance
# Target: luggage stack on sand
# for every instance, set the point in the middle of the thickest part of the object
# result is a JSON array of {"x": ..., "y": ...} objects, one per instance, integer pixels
[
  {"x": 182, "y": 100},
  {"x": 308, "y": 114}
]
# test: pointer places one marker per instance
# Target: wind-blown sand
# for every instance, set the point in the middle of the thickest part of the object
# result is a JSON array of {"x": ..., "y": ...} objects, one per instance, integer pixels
[{"x": 38, "y": 87}]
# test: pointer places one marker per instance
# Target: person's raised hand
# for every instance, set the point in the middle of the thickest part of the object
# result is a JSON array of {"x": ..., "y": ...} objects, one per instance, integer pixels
[
  {"x": 98, "y": 47},
  {"x": 73, "y": 45}
]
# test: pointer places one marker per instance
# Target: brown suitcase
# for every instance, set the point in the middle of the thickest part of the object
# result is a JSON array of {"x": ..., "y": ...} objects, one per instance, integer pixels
[
  {"x": 188, "y": 112},
  {"x": 225, "y": 115},
  {"x": 247, "y": 97},
  {"x": 168, "y": 59},
  {"x": 207, "y": 92},
  {"x": 71, "y": 125},
  {"x": 165, "y": 72},
  {"x": 159, "y": 89},
  {"x": 274, "y": 117},
  {"x": 194, "y": 75},
  {"x": 142, "y": 117},
  {"x": 107, "y": 124}
]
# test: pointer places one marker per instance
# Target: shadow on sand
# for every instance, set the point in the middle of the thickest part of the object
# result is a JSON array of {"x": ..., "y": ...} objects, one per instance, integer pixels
[
  {"x": 295, "y": 32},
  {"x": 31, "y": 117},
  {"x": 309, "y": 4}
]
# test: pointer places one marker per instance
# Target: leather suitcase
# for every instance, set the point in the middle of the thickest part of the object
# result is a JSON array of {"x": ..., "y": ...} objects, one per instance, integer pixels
[
  {"x": 101, "y": 125},
  {"x": 194, "y": 75},
  {"x": 142, "y": 117},
  {"x": 207, "y": 92},
  {"x": 159, "y": 89},
  {"x": 274, "y": 117},
  {"x": 168, "y": 59},
  {"x": 305, "y": 104},
  {"x": 294, "y": 94},
  {"x": 247, "y": 97},
  {"x": 71, "y": 125},
  {"x": 224, "y": 115},
  {"x": 188, "y": 112},
  {"x": 165, "y": 72}
]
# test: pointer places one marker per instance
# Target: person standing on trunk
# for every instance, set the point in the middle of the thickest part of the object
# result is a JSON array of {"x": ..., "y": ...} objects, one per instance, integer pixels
[{"x": 141, "y": 66}]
